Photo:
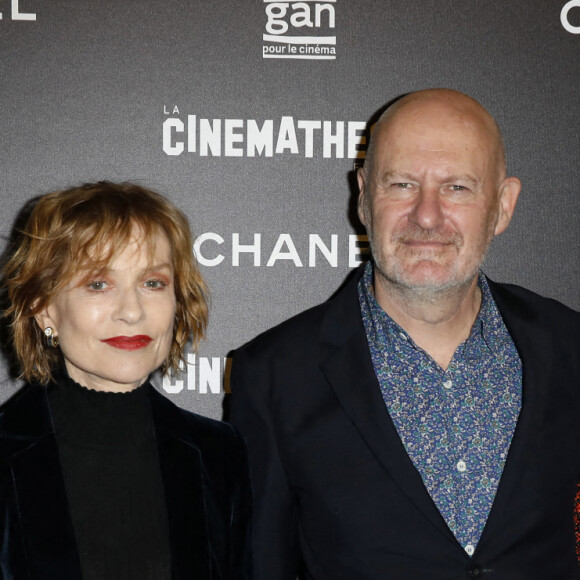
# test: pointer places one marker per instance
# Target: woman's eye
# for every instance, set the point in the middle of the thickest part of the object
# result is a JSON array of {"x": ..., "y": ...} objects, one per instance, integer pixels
[
  {"x": 97, "y": 285},
  {"x": 155, "y": 284}
]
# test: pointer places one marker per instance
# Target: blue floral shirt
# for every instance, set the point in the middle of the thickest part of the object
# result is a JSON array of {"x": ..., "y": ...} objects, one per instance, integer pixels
[{"x": 456, "y": 424}]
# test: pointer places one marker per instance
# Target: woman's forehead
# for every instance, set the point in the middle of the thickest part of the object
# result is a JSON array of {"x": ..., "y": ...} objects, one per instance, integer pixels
[{"x": 139, "y": 250}]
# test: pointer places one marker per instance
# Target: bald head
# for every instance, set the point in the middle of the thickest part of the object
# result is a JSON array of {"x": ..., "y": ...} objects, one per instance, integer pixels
[{"x": 432, "y": 109}]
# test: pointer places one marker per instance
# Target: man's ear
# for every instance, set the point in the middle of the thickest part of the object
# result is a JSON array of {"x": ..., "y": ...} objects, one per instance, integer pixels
[
  {"x": 360, "y": 177},
  {"x": 509, "y": 191}
]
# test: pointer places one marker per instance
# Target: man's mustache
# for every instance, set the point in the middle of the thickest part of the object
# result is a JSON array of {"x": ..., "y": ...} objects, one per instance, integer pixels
[{"x": 409, "y": 235}]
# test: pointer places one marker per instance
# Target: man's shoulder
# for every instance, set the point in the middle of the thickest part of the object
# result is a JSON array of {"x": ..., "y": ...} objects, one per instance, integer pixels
[
  {"x": 542, "y": 311},
  {"x": 301, "y": 331}
]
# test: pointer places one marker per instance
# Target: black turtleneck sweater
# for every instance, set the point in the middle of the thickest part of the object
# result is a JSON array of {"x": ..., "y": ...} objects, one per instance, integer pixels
[{"x": 110, "y": 463}]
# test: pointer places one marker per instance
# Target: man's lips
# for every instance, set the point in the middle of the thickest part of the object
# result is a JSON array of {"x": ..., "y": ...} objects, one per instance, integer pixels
[
  {"x": 129, "y": 342},
  {"x": 428, "y": 244}
]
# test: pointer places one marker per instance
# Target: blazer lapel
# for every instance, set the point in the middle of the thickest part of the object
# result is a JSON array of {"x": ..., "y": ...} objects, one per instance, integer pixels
[
  {"x": 181, "y": 470},
  {"x": 533, "y": 345},
  {"x": 44, "y": 516},
  {"x": 347, "y": 364}
]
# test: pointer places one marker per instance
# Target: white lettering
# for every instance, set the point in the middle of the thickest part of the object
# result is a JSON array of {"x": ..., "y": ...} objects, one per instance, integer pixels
[
  {"x": 301, "y": 16},
  {"x": 287, "y": 136},
  {"x": 254, "y": 248},
  {"x": 231, "y": 138},
  {"x": 356, "y": 138},
  {"x": 276, "y": 12},
  {"x": 564, "y": 16},
  {"x": 358, "y": 247},
  {"x": 203, "y": 374},
  {"x": 260, "y": 140},
  {"x": 209, "y": 375},
  {"x": 331, "y": 255},
  {"x": 210, "y": 137},
  {"x": 330, "y": 139},
  {"x": 330, "y": 9},
  {"x": 178, "y": 126},
  {"x": 191, "y": 133},
  {"x": 197, "y": 249},
  {"x": 191, "y": 372},
  {"x": 309, "y": 127},
  {"x": 17, "y": 15},
  {"x": 290, "y": 254},
  {"x": 355, "y": 249},
  {"x": 171, "y": 388},
  {"x": 246, "y": 137}
]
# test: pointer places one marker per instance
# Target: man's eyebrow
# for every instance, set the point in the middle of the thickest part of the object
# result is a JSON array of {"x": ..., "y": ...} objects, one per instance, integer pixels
[
  {"x": 404, "y": 176},
  {"x": 395, "y": 175},
  {"x": 464, "y": 177}
]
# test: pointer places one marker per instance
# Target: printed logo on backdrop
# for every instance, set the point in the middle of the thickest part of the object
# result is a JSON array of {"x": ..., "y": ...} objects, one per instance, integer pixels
[
  {"x": 302, "y": 29},
  {"x": 211, "y": 375},
  {"x": 256, "y": 250},
  {"x": 203, "y": 374},
  {"x": 17, "y": 13},
  {"x": 262, "y": 138},
  {"x": 565, "y": 16}
]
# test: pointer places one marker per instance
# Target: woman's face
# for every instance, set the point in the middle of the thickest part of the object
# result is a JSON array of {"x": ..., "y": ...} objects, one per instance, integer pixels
[{"x": 117, "y": 328}]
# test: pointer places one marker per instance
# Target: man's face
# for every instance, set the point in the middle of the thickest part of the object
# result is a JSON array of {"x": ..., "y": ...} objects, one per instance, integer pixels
[{"x": 433, "y": 198}]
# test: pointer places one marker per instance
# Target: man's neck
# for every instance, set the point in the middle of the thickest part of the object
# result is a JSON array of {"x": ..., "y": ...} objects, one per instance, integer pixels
[{"x": 437, "y": 321}]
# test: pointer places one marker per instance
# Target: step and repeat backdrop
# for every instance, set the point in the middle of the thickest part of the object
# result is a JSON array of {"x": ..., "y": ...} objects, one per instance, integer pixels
[{"x": 253, "y": 115}]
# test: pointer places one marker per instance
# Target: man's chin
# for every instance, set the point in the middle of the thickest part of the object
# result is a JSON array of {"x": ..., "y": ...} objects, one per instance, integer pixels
[{"x": 429, "y": 276}]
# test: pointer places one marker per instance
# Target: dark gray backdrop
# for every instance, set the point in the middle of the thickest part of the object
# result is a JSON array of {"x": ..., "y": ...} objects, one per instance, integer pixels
[{"x": 88, "y": 87}]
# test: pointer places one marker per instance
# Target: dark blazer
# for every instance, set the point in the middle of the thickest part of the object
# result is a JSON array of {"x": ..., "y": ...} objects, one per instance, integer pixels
[
  {"x": 204, "y": 472},
  {"x": 334, "y": 487}
]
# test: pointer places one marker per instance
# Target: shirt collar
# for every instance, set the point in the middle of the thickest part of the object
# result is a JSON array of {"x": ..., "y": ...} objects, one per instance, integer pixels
[{"x": 488, "y": 328}]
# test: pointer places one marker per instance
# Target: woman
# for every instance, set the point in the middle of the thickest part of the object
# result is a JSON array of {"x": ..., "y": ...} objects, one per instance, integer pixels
[{"x": 101, "y": 477}]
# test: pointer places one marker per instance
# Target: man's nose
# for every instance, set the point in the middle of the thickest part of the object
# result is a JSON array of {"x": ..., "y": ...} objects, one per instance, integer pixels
[{"x": 427, "y": 211}]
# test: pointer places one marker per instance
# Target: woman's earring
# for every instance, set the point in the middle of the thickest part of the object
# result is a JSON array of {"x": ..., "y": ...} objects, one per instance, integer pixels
[{"x": 51, "y": 338}]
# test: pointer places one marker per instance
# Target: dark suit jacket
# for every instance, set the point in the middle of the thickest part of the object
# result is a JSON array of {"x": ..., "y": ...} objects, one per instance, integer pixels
[
  {"x": 204, "y": 472},
  {"x": 334, "y": 487}
]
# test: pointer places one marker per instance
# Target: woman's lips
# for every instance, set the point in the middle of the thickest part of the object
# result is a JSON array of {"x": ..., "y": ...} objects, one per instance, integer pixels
[{"x": 129, "y": 342}]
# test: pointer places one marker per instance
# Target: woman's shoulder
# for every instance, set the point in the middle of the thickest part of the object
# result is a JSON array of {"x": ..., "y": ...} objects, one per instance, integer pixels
[
  {"x": 204, "y": 432},
  {"x": 25, "y": 413}
]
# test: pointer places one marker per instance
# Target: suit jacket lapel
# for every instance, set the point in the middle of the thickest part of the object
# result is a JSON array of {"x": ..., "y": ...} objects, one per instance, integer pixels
[
  {"x": 44, "y": 516},
  {"x": 347, "y": 364},
  {"x": 533, "y": 345},
  {"x": 181, "y": 470}
]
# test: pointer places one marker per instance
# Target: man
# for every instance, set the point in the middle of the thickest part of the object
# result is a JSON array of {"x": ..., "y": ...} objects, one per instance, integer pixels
[{"x": 425, "y": 422}]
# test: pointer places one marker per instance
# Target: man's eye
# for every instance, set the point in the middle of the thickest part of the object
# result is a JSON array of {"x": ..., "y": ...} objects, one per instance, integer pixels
[
  {"x": 458, "y": 188},
  {"x": 402, "y": 185}
]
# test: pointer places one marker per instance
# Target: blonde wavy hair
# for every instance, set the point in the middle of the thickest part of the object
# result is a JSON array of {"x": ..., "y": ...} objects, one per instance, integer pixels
[{"x": 84, "y": 228}]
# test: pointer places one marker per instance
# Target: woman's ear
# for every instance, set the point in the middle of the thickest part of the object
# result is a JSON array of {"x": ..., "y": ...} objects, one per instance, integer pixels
[{"x": 44, "y": 319}]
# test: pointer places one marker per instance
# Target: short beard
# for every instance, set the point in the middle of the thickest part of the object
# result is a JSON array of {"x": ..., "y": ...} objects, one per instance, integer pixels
[{"x": 430, "y": 292}]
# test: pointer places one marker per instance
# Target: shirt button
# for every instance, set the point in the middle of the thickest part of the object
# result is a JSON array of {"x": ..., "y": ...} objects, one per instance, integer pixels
[
  {"x": 461, "y": 466},
  {"x": 448, "y": 384},
  {"x": 469, "y": 549}
]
